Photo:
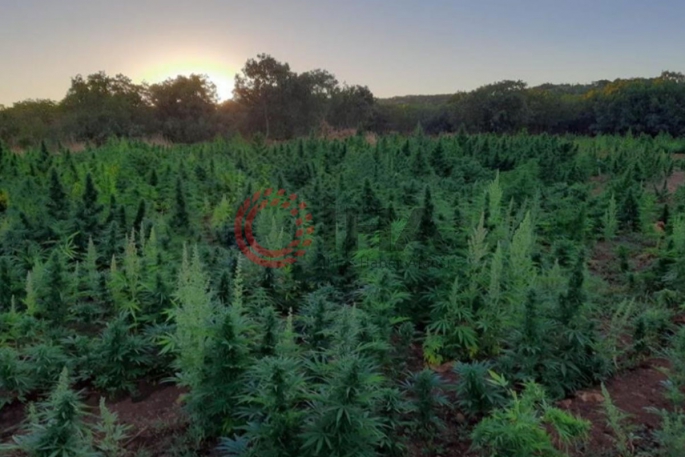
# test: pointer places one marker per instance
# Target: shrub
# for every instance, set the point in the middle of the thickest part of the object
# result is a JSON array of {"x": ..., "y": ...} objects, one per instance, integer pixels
[
  {"x": 119, "y": 357},
  {"x": 343, "y": 421},
  {"x": 271, "y": 403},
  {"x": 671, "y": 436},
  {"x": 617, "y": 421},
  {"x": 45, "y": 362},
  {"x": 213, "y": 400},
  {"x": 425, "y": 389},
  {"x": 56, "y": 427},
  {"x": 15, "y": 377},
  {"x": 651, "y": 329},
  {"x": 520, "y": 429},
  {"x": 111, "y": 434},
  {"x": 393, "y": 408},
  {"x": 676, "y": 373},
  {"x": 479, "y": 389}
]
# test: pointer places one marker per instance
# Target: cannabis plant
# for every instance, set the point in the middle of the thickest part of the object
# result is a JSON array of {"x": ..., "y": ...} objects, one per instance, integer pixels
[
  {"x": 671, "y": 436},
  {"x": 426, "y": 393},
  {"x": 479, "y": 388},
  {"x": 343, "y": 421},
  {"x": 271, "y": 404},
  {"x": 617, "y": 421},
  {"x": 15, "y": 376},
  {"x": 119, "y": 357},
  {"x": 56, "y": 427},
  {"x": 676, "y": 373},
  {"x": 110, "y": 433},
  {"x": 522, "y": 429},
  {"x": 213, "y": 399}
]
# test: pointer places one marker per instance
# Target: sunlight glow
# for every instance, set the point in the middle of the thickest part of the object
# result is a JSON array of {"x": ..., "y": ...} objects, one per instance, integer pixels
[{"x": 221, "y": 75}]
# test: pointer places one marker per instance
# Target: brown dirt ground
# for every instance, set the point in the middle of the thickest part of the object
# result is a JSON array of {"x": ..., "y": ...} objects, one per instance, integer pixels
[
  {"x": 157, "y": 420},
  {"x": 155, "y": 417},
  {"x": 598, "y": 182},
  {"x": 604, "y": 261},
  {"x": 161, "y": 405},
  {"x": 11, "y": 417},
  {"x": 674, "y": 181},
  {"x": 631, "y": 391}
]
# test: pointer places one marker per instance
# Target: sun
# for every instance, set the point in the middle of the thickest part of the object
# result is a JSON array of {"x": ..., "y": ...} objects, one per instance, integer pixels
[{"x": 221, "y": 75}]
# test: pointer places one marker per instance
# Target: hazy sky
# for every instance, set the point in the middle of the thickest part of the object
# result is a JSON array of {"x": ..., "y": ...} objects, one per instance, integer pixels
[{"x": 395, "y": 47}]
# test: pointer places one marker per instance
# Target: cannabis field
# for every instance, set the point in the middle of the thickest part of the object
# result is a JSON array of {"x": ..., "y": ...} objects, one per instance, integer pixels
[{"x": 481, "y": 295}]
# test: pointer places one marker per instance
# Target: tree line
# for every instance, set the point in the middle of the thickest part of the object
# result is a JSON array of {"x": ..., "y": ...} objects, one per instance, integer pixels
[
  {"x": 637, "y": 105},
  {"x": 271, "y": 99}
]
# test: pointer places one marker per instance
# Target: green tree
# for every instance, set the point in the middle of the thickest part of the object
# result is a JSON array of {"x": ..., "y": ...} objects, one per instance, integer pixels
[
  {"x": 369, "y": 204},
  {"x": 427, "y": 399},
  {"x": 352, "y": 107},
  {"x": 261, "y": 88},
  {"x": 571, "y": 302},
  {"x": 193, "y": 313},
  {"x": 272, "y": 404},
  {"x": 100, "y": 106},
  {"x": 419, "y": 166},
  {"x": 629, "y": 212},
  {"x": 184, "y": 107},
  {"x": 140, "y": 216},
  {"x": 610, "y": 220},
  {"x": 120, "y": 357}
]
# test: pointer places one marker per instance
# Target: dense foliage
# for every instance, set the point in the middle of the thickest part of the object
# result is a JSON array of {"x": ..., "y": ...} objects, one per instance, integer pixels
[
  {"x": 268, "y": 98},
  {"x": 641, "y": 105},
  {"x": 272, "y": 100},
  {"x": 119, "y": 263}
]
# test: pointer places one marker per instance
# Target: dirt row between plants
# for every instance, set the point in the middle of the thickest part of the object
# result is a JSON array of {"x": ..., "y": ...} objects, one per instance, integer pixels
[
  {"x": 632, "y": 391},
  {"x": 155, "y": 418}
]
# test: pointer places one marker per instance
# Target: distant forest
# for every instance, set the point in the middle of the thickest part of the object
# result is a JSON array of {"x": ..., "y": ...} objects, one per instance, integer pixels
[{"x": 272, "y": 100}]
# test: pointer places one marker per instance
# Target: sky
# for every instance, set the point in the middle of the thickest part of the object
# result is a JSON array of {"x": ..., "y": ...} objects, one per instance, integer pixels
[{"x": 395, "y": 47}]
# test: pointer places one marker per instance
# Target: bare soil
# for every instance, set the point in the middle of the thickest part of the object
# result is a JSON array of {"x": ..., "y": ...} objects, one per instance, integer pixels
[
  {"x": 155, "y": 418},
  {"x": 598, "y": 183},
  {"x": 674, "y": 181},
  {"x": 11, "y": 417},
  {"x": 632, "y": 391}
]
